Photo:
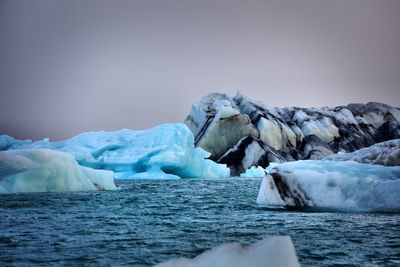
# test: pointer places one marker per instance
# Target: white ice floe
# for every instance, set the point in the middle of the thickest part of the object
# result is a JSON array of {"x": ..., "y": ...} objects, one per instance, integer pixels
[
  {"x": 165, "y": 151},
  {"x": 385, "y": 153},
  {"x": 338, "y": 185},
  {"x": 276, "y": 251},
  {"x": 43, "y": 170}
]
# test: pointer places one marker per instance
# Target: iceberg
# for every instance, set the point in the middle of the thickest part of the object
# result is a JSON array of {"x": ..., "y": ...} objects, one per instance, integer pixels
[
  {"x": 331, "y": 185},
  {"x": 43, "y": 170},
  {"x": 277, "y": 251},
  {"x": 165, "y": 151},
  {"x": 233, "y": 129}
]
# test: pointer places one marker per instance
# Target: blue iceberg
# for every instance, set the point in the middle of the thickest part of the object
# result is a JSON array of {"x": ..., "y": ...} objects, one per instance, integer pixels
[{"x": 165, "y": 151}]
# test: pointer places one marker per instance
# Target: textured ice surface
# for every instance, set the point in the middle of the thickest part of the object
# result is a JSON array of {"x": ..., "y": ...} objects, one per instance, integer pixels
[
  {"x": 165, "y": 151},
  {"x": 253, "y": 172},
  {"x": 43, "y": 170},
  {"x": 276, "y": 251},
  {"x": 341, "y": 185},
  {"x": 220, "y": 124},
  {"x": 385, "y": 153}
]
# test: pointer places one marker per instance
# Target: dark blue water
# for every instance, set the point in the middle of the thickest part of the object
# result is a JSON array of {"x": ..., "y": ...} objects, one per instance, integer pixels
[{"x": 147, "y": 222}]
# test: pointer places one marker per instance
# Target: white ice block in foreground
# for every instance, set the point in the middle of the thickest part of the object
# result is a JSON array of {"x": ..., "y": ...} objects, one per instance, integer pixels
[{"x": 276, "y": 251}]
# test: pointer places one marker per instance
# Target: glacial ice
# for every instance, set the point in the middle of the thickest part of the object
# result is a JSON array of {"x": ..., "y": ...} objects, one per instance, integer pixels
[
  {"x": 313, "y": 125},
  {"x": 313, "y": 147},
  {"x": 165, "y": 151},
  {"x": 225, "y": 125},
  {"x": 43, "y": 170},
  {"x": 385, "y": 153},
  {"x": 253, "y": 172},
  {"x": 338, "y": 185},
  {"x": 218, "y": 125},
  {"x": 277, "y": 251}
]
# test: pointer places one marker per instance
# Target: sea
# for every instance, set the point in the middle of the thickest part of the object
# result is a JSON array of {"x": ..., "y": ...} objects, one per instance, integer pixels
[{"x": 146, "y": 222}]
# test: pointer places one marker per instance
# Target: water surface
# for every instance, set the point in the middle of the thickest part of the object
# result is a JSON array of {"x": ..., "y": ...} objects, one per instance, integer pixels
[{"x": 149, "y": 221}]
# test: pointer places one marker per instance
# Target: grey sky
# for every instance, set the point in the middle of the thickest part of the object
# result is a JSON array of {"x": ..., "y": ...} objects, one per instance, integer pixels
[{"x": 73, "y": 66}]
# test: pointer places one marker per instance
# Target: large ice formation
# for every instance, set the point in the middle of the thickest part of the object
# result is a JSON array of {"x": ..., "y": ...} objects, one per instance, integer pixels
[
  {"x": 233, "y": 128},
  {"x": 165, "y": 151},
  {"x": 338, "y": 185},
  {"x": 43, "y": 170},
  {"x": 385, "y": 153},
  {"x": 277, "y": 251}
]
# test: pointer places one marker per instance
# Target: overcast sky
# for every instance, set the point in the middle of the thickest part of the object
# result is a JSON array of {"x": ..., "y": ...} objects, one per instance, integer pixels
[{"x": 73, "y": 66}]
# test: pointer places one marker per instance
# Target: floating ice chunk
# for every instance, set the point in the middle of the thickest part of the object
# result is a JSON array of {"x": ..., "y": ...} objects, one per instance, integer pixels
[
  {"x": 42, "y": 170},
  {"x": 276, "y": 251},
  {"x": 166, "y": 150},
  {"x": 253, "y": 172},
  {"x": 343, "y": 185}
]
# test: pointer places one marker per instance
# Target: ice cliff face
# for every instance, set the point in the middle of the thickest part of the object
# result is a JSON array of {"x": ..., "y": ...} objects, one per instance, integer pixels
[{"x": 243, "y": 132}]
